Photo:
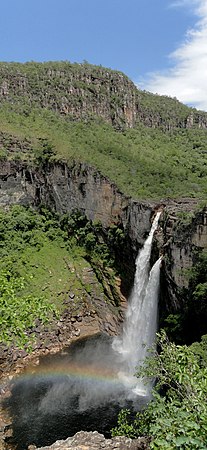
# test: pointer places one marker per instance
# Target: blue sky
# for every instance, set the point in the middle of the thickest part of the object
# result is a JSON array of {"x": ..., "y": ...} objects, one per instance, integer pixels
[{"x": 149, "y": 40}]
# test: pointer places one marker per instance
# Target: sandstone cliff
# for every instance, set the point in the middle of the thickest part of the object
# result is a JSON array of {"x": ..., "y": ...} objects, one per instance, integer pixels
[
  {"x": 81, "y": 91},
  {"x": 77, "y": 187},
  {"x": 183, "y": 237}
]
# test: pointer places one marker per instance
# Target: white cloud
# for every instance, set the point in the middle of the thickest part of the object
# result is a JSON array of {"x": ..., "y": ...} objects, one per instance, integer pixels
[{"x": 187, "y": 79}]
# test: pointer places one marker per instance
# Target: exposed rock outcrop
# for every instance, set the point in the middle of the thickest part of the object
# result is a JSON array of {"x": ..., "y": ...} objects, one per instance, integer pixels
[
  {"x": 77, "y": 187},
  {"x": 183, "y": 237},
  {"x": 95, "y": 441},
  {"x": 82, "y": 91}
]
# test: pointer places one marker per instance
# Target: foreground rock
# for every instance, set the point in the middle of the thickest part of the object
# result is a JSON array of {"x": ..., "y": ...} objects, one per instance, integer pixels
[{"x": 95, "y": 441}]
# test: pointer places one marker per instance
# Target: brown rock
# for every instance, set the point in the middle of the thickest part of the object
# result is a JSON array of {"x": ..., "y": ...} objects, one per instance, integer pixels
[{"x": 95, "y": 441}]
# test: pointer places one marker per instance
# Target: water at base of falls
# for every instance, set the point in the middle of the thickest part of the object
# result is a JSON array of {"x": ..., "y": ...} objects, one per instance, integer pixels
[{"x": 77, "y": 389}]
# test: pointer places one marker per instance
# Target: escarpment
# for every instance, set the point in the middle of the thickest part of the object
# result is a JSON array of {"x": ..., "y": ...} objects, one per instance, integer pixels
[
  {"x": 79, "y": 187},
  {"x": 82, "y": 91}
]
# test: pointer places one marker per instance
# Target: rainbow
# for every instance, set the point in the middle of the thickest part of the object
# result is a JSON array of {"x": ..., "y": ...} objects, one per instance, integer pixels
[{"x": 73, "y": 372}]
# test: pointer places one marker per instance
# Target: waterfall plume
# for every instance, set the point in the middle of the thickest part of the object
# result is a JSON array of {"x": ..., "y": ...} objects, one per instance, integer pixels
[{"x": 141, "y": 317}]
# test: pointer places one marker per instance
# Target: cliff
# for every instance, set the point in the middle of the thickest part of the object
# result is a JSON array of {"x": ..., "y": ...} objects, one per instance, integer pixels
[
  {"x": 74, "y": 90},
  {"x": 81, "y": 91},
  {"x": 183, "y": 238},
  {"x": 77, "y": 187}
]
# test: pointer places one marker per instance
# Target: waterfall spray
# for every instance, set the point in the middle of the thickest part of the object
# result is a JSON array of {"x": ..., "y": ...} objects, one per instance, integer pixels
[{"x": 141, "y": 318}]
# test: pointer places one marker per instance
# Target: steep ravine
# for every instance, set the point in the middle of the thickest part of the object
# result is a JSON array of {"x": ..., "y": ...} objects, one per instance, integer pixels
[
  {"x": 66, "y": 189},
  {"x": 80, "y": 187}
]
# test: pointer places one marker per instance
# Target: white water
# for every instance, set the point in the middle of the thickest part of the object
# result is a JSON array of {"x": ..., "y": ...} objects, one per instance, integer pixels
[{"x": 141, "y": 318}]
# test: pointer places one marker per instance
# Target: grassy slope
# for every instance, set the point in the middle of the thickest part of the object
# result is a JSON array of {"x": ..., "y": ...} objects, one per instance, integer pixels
[
  {"x": 35, "y": 250},
  {"x": 143, "y": 162}
]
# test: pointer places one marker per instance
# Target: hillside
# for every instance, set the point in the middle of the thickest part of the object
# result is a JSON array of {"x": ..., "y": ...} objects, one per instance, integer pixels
[
  {"x": 150, "y": 146},
  {"x": 81, "y": 91}
]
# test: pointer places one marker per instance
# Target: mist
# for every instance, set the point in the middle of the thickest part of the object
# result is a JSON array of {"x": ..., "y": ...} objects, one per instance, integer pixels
[{"x": 80, "y": 388}]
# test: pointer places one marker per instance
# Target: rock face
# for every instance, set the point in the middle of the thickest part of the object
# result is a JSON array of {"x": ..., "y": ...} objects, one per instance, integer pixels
[
  {"x": 95, "y": 441},
  {"x": 81, "y": 91},
  {"x": 184, "y": 236},
  {"x": 78, "y": 187}
]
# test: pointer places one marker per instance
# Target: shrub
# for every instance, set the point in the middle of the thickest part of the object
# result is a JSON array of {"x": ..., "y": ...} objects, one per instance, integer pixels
[{"x": 176, "y": 418}]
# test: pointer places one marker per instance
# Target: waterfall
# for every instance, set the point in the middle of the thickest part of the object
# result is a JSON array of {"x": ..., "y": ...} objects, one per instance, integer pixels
[
  {"x": 91, "y": 379},
  {"x": 141, "y": 317}
]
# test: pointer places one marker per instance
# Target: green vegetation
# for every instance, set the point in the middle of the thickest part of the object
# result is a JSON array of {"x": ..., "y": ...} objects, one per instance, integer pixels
[
  {"x": 196, "y": 314},
  {"x": 33, "y": 246},
  {"x": 176, "y": 418},
  {"x": 18, "y": 312},
  {"x": 34, "y": 271},
  {"x": 43, "y": 258}
]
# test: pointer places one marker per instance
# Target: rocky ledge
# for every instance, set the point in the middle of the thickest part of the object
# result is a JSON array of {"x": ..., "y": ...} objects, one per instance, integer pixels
[{"x": 95, "y": 441}]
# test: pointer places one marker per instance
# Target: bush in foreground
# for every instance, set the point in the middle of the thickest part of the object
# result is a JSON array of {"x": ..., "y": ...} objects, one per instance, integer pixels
[{"x": 176, "y": 418}]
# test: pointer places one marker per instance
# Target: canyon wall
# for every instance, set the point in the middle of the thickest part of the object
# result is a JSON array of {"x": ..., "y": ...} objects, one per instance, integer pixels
[
  {"x": 77, "y": 187},
  {"x": 65, "y": 189},
  {"x": 185, "y": 236}
]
